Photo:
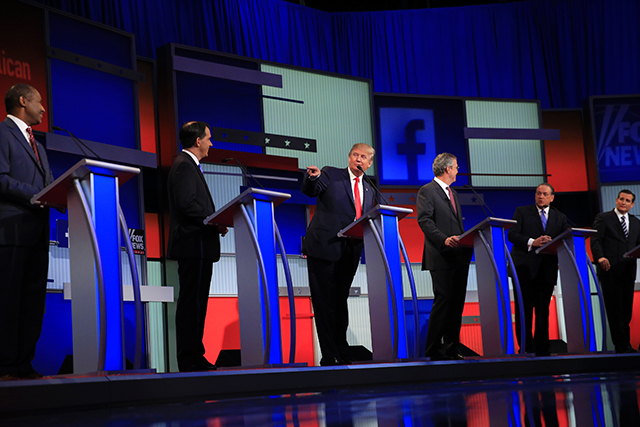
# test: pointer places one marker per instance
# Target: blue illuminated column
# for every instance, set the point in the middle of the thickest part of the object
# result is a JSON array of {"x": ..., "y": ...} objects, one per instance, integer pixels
[
  {"x": 488, "y": 241},
  {"x": 251, "y": 214},
  {"x": 573, "y": 263},
  {"x": 379, "y": 228}
]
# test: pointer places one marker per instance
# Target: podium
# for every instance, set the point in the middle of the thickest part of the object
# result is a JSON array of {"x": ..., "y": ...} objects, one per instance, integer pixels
[
  {"x": 251, "y": 214},
  {"x": 574, "y": 264},
  {"x": 633, "y": 253},
  {"x": 90, "y": 191},
  {"x": 488, "y": 241},
  {"x": 379, "y": 228}
]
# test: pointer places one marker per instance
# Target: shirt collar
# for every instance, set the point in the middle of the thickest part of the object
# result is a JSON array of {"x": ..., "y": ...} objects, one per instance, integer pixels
[
  {"x": 442, "y": 184},
  {"x": 21, "y": 125},
  {"x": 193, "y": 156},
  {"x": 621, "y": 215}
]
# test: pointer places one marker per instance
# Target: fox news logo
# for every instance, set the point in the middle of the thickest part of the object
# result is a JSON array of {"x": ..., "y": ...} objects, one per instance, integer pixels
[{"x": 618, "y": 142}]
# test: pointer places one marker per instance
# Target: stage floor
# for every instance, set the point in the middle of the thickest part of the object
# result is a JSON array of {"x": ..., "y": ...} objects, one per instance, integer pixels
[{"x": 446, "y": 390}]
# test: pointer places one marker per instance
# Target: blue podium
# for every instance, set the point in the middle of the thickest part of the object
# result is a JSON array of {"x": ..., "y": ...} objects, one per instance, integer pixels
[
  {"x": 379, "y": 228},
  {"x": 488, "y": 241},
  {"x": 251, "y": 215},
  {"x": 90, "y": 191},
  {"x": 574, "y": 265}
]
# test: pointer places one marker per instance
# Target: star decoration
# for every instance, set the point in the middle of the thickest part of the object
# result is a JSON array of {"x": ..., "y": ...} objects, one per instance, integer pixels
[
  {"x": 224, "y": 135},
  {"x": 412, "y": 198},
  {"x": 391, "y": 199},
  {"x": 266, "y": 140},
  {"x": 306, "y": 145},
  {"x": 286, "y": 143}
]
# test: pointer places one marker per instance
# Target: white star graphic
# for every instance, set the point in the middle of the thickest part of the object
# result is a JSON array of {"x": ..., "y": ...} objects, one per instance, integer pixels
[
  {"x": 266, "y": 140},
  {"x": 286, "y": 143},
  {"x": 306, "y": 145}
]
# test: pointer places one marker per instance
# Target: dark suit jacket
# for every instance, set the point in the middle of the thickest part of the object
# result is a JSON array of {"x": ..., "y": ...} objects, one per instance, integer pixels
[
  {"x": 529, "y": 226},
  {"x": 335, "y": 210},
  {"x": 439, "y": 221},
  {"x": 21, "y": 177},
  {"x": 190, "y": 202},
  {"x": 610, "y": 243}
]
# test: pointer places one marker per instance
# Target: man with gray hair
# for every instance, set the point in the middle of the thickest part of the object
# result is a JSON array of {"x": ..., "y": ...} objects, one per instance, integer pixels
[{"x": 440, "y": 218}]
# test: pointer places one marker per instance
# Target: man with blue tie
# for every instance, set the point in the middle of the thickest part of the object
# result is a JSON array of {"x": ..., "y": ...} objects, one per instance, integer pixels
[
  {"x": 342, "y": 196},
  {"x": 24, "y": 233},
  {"x": 618, "y": 232},
  {"x": 536, "y": 226}
]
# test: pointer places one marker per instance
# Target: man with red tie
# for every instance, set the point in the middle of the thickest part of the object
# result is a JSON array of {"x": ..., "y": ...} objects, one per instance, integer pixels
[
  {"x": 24, "y": 233},
  {"x": 342, "y": 196},
  {"x": 440, "y": 218}
]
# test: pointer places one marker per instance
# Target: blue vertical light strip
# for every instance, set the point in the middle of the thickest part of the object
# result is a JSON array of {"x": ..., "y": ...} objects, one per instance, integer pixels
[
  {"x": 504, "y": 300},
  {"x": 263, "y": 223},
  {"x": 392, "y": 250},
  {"x": 105, "y": 217},
  {"x": 586, "y": 309}
]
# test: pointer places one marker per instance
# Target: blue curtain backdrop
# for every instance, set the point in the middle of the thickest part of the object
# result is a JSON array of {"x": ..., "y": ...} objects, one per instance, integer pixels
[{"x": 558, "y": 51}]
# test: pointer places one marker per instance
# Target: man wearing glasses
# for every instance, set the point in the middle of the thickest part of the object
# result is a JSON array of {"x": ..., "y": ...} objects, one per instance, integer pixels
[{"x": 440, "y": 218}]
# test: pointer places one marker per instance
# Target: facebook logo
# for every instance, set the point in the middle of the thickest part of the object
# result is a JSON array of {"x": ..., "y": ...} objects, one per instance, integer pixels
[{"x": 408, "y": 145}]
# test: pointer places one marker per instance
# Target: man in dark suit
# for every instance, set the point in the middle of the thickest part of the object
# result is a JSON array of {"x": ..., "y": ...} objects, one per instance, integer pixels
[
  {"x": 440, "y": 218},
  {"x": 332, "y": 261},
  {"x": 536, "y": 226},
  {"x": 618, "y": 232},
  {"x": 196, "y": 246},
  {"x": 24, "y": 233}
]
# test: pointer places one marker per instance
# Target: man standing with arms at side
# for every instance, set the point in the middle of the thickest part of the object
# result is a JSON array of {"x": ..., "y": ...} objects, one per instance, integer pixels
[
  {"x": 342, "y": 196},
  {"x": 536, "y": 226},
  {"x": 24, "y": 233},
  {"x": 618, "y": 232},
  {"x": 440, "y": 218},
  {"x": 196, "y": 246}
]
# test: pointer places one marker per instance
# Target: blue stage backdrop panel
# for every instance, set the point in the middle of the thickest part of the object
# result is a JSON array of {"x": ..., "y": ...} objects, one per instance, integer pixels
[
  {"x": 616, "y": 126},
  {"x": 97, "y": 42},
  {"x": 219, "y": 102},
  {"x": 412, "y": 130}
]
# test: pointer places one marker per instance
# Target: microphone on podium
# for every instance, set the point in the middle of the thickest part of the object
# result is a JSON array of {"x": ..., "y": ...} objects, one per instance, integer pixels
[
  {"x": 78, "y": 142},
  {"x": 372, "y": 184},
  {"x": 482, "y": 203},
  {"x": 245, "y": 172}
]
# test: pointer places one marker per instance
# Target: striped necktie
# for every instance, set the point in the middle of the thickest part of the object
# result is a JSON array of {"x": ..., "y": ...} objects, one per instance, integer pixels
[{"x": 623, "y": 222}]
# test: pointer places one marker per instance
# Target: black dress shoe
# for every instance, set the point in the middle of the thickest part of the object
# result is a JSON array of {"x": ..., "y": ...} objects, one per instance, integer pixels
[
  {"x": 28, "y": 373},
  {"x": 198, "y": 367},
  {"x": 331, "y": 361},
  {"x": 542, "y": 353},
  {"x": 455, "y": 354},
  {"x": 436, "y": 355}
]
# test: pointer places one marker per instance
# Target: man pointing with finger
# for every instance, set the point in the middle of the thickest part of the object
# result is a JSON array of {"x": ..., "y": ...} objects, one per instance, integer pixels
[{"x": 342, "y": 197}]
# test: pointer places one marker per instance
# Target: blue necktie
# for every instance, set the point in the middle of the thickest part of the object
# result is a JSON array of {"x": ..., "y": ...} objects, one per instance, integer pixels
[{"x": 543, "y": 218}]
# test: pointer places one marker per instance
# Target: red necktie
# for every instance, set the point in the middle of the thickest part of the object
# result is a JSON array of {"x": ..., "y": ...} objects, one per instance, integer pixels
[
  {"x": 453, "y": 202},
  {"x": 356, "y": 196},
  {"x": 32, "y": 142}
]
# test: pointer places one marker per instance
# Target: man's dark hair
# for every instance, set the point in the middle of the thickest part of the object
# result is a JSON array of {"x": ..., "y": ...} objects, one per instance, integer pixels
[
  {"x": 191, "y": 131},
  {"x": 553, "y": 191},
  {"x": 625, "y": 191},
  {"x": 12, "y": 98}
]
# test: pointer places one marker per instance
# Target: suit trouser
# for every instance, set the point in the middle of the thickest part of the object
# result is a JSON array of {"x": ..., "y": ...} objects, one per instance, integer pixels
[
  {"x": 536, "y": 295},
  {"x": 195, "y": 281},
  {"x": 618, "y": 300},
  {"x": 23, "y": 291},
  {"x": 445, "y": 320},
  {"x": 330, "y": 283}
]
